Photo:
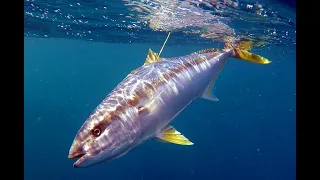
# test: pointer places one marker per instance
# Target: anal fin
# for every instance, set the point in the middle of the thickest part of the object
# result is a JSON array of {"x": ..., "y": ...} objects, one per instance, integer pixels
[{"x": 171, "y": 135}]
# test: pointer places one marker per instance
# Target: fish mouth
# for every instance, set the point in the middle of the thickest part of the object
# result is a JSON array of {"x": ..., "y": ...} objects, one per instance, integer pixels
[
  {"x": 76, "y": 155},
  {"x": 76, "y": 152},
  {"x": 80, "y": 156}
]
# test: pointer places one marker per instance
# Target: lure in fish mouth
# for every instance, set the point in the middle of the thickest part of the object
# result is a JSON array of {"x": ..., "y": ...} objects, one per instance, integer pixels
[{"x": 144, "y": 104}]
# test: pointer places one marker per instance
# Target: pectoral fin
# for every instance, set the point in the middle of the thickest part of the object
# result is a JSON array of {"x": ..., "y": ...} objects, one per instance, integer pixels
[{"x": 171, "y": 135}]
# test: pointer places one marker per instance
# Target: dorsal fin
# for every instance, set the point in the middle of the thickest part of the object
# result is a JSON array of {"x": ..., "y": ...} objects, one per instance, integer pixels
[
  {"x": 152, "y": 57},
  {"x": 206, "y": 51}
]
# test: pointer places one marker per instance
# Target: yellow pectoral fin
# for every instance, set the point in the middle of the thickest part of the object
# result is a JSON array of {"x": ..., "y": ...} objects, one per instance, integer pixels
[{"x": 171, "y": 135}]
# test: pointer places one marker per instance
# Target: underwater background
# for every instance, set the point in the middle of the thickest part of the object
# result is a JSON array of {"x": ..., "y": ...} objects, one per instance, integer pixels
[{"x": 249, "y": 134}]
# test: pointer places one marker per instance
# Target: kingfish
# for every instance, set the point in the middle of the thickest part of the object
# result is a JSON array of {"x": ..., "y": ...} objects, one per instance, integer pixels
[{"x": 143, "y": 104}]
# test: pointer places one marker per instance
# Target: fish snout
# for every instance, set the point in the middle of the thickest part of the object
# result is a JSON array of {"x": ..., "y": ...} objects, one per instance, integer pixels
[{"x": 76, "y": 150}]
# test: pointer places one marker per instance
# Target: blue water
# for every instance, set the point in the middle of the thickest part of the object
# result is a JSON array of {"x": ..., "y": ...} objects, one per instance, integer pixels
[{"x": 250, "y": 134}]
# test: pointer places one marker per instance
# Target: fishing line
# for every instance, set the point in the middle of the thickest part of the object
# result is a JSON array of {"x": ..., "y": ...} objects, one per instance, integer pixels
[{"x": 164, "y": 43}]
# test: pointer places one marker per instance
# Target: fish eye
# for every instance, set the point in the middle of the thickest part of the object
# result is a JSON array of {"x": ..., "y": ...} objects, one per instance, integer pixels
[{"x": 96, "y": 131}]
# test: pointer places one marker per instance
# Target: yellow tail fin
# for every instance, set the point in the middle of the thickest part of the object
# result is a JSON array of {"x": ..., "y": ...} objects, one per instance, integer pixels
[{"x": 240, "y": 52}]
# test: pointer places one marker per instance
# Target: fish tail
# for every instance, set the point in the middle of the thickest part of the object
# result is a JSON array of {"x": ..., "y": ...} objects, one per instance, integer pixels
[{"x": 240, "y": 51}]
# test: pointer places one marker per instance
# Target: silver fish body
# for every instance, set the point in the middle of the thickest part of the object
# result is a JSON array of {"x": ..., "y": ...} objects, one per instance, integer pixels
[
  {"x": 144, "y": 104},
  {"x": 183, "y": 81}
]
